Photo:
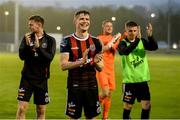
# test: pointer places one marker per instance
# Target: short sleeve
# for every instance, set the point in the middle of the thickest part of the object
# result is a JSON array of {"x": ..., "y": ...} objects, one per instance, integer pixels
[
  {"x": 99, "y": 45},
  {"x": 64, "y": 46}
]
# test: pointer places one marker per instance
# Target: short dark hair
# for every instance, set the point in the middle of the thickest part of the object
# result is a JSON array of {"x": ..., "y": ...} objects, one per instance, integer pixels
[
  {"x": 131, "y": 24},
  {"x": 37, "y": 18},
  {"x": 85, "y": 12}
]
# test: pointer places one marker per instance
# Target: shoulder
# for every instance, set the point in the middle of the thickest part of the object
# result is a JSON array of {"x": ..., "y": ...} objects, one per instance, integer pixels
[
  {"x": 95, "y": 40},
  {"x": 103, "y": 38},
  {"x": 97, "y": 43},
  {"x": 65, "y": 40},
  {"x": 100, "y": 36},
  {"x": 124, "y": 41},
  {"x": 50, "y": 38},
  {"x": 67, "y": 37},
  {"x": 144, "y": 40}
]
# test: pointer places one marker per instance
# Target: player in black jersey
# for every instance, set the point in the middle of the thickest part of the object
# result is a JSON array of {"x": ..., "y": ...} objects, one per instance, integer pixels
[
  {"x": 81, "y": 55},
  {"x": 37, "y": 50}
]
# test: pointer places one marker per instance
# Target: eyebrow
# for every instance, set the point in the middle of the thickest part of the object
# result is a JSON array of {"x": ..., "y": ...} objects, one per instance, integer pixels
[{"x": 132, "y": 30}]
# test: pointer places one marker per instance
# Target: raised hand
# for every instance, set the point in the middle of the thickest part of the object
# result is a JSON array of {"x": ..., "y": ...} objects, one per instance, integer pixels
[
  {"x": 28, "y": 38},
  {"x": 114, "y": 40},
  {"x": 85, "y": 55},
  {"x": 139, "y": 32},
  {"x": 149, "y": 30}
]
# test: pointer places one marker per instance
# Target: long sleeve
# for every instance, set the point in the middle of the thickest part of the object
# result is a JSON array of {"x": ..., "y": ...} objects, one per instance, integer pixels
[
  {"x": 24, "y": 50},
  {"x": 48, "y": 54},
  {"x": 123, "y": 49},
  {"x": 150, "y": 44}
]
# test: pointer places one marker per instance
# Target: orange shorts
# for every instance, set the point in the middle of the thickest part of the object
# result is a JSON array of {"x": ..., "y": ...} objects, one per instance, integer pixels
[{"x": 106, "y": 80}]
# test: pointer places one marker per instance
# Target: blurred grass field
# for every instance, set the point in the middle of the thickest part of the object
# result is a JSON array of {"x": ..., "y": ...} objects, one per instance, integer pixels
[{"x": 164, "y": 86}]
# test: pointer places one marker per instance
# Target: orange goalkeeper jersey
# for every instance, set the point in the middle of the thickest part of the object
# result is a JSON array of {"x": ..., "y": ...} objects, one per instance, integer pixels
[
  {"x": 106, "y": 77},
  {"x": 109, "y": 55}
]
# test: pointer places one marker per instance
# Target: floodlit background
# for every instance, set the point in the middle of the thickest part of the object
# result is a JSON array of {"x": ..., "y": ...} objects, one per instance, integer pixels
[{"x": 58, "y": 14}]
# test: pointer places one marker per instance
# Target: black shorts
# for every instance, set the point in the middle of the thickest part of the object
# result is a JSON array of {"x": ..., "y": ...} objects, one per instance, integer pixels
[
  {"x": 36, "y": 87},
  {"x": 79, "y": 99},
  {"x": 131, "y": 91}
]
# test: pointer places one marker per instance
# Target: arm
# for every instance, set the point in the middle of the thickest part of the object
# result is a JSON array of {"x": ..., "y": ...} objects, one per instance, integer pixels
[
  {"x": 113, "y": 43},
  {"x": 149, "y": 44},
  {"x": 123, "y": 49},
  {"x": 24, "y": 49},
  {"x": 98, "y": 58},
  {"x": 48, "y": 54},
  {"x": 67, "y": 65},
  {"x": 98, "y": 62},
  {"x": 106, "y": 48}
]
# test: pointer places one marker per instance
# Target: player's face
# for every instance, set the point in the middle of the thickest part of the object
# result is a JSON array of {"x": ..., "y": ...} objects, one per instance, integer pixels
[
  {"x": 33, "y": 26},
  {"x": 108, "y": 28},
  {"x": 82, "y": 22},
  {"x": 132, "y": 32}
]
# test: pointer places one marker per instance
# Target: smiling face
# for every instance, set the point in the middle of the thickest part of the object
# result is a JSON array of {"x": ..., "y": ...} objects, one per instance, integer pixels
[{"x": 82, "y": 22}]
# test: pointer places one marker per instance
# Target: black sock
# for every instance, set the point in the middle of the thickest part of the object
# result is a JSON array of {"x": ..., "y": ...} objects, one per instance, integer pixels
[
  {"x": 145, "y": 114},
  {"x": 126, "y": 114}
]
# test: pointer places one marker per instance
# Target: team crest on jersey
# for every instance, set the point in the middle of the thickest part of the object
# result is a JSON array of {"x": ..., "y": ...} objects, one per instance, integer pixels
[
  {"x": 92, "y": 47},
  {"x": 44, "y": 45}
]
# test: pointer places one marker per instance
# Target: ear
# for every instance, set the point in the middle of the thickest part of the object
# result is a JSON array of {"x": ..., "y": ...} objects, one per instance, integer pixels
[{"x": 74, "y": 20}]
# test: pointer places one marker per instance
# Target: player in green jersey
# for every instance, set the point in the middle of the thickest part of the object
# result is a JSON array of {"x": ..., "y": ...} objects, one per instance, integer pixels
[{"x": 135, "y": 68}]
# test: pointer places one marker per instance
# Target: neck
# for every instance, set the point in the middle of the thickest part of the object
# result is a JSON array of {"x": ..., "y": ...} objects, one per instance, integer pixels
[
  {"x": 81, "y": 34},
  {"x": 131, "y": 39},
  {"x": 105, "y": 33}
]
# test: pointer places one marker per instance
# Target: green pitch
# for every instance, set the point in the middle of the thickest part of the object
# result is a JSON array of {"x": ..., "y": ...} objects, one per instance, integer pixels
[{"x": 164, "y": 86}]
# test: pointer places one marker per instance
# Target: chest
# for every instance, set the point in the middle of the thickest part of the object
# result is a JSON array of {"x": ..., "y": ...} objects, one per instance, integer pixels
[{"x": 78, "y": 47}]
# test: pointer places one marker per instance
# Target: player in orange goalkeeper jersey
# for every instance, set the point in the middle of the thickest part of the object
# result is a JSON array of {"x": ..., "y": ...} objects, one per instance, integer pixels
[{"x": 106, "y": 77}]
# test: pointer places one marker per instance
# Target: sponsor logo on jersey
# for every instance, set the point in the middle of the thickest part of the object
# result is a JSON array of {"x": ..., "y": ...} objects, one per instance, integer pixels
[
  {"x": 47, "y": 98},
  {"x": 74, "y": 48}
]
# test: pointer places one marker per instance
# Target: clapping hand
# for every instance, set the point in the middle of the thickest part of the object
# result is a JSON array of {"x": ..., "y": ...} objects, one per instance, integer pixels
[
  {"x": 36, "y": 42},
  {"x": 98, "y": 57},
  {"x": 139, "y": 32},
  {"x": 28, "y": 38},
  {"x": 85, "y": 55},
  {"x": 114, "y": 40},
  {"x": 149, "y": 30}
]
